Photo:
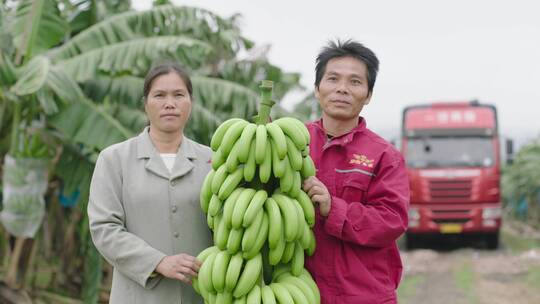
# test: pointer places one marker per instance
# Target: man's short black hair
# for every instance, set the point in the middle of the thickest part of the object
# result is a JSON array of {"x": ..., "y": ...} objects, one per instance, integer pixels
[{"x": 348, "y": 48}]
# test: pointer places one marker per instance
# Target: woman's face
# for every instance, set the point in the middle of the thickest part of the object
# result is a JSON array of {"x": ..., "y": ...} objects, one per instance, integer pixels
[{"x": 168, "y": 104}]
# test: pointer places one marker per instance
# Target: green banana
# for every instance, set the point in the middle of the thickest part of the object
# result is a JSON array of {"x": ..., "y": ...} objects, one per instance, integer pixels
[
  {"x": 308, "y": 167},
  {"x": 205, "y": 273},
  {"x": 292, "y": 131},
  {"x": 297, "y": 185},
  {"x": 230, "y": 183},
  {"x": 217, "y": 221},
  {"x": 300, "y": 217},
  {"x": 303, "y": 286},
  {"x": 222, "y": 235},
  {"x": 274, "y": 222},
  {"x": 289, "y": 215},
  {"x": 305, "y": 152},
  {"x": 249, "y": 276},
  {"x": 241, "y": 300},
  {"x": 219, "y": 269},
  {"x": 231, "y": 136},
  {"x": 215, "y": 142},
  {"x": 295, "y": 156},
  {"x": 251, "y": 165},
  {"x": 260, "y": 144},
  {"x": 254, "y": 207},
  {"x": 287, "y": 181},
  {"x": 245, "y": 141},
  {"x": 218, "y": 159},
  {"x": 210, "y": 221},
  {"x": 251, "y": 233},
  {"x": 296, "y": 294},
  {"x": 206, "y": 191},
  {"x": 280, "y": 271},
  {"x": 254, "y": 295},
  {"x": 307, "y": 206},
  {"x": 215, "y": 205},
  {"x": 282, "y": 294},
  {"x": 312, "y": 243},
  {"x": 275, "y": 254},
  {"x": 278, "y": 165},
  {"x": 229, "y": 204},
  {"x": 306, "y": 277},
  {"x": 232, "y": 159},
  {"x": 212, "y": 298},
  {"x": 300, "y": 125},
  {"x": 265, "y": 168},
  {"x": 235, "y": 240},
  {"x": 260, "y": 240},
  {"x": 305, "y": 240},
  {"x": 224, "y": 298},
  {"x": 233, "y": 271},
  {"x": 297, "y": 263},
  {"x": 267, "y": 295},
  {"x": 219, "y": 178},
  {"x": 240, "y": 208},
  {"x": 278, "y": 137},
  {"x": 288, "y": 252}
]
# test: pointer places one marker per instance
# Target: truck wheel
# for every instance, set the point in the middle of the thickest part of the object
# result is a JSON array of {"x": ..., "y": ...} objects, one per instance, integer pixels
[{"x": 492, "y": 240}]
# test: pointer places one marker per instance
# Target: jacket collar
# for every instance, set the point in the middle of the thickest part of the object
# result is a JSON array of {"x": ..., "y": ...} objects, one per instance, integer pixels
[
  {"x": 344, "y": 138},
  {"x": 184, "y": 156}
]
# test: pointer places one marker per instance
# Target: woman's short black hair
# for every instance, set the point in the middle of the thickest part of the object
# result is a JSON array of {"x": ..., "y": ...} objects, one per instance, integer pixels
[{"x": 163, "y": 69}]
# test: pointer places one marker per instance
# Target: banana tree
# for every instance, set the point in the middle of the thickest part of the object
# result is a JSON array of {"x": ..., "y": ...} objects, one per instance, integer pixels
[{"x": 80, "y": 89}]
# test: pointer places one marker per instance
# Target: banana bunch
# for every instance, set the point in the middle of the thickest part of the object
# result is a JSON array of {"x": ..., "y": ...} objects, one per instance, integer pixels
[{"x": 260, "y": 216}]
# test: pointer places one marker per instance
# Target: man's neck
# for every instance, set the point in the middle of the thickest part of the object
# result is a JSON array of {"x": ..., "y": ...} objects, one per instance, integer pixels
[
  {"x": 166, "y": 142},
  {"x": 338, "y": 127}
]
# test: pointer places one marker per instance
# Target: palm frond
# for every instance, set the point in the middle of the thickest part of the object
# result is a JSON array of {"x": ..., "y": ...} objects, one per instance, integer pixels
[
  {"x": 89, "y": 124},
  {"x": 164, "y": 20},
  {"x": 225, "y": 98},
  {"x": 38, "y": 26},
  {"x": 135, "y": 57}
]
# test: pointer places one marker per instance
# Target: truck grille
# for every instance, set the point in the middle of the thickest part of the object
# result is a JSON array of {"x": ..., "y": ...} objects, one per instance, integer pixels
[{"x": 450, "y": 191}]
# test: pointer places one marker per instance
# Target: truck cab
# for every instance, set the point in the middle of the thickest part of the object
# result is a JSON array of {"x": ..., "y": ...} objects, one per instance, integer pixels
[{"x": 453, "y": 162}]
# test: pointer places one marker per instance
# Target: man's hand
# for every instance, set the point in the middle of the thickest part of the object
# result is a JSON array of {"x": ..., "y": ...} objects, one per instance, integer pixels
[
  {"x": 319, "y": 194},
  {"x": 181, "y": 267}
]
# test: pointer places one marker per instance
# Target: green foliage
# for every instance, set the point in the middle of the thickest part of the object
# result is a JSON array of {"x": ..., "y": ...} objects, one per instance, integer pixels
[
  {"x": 78, "y": 66},
  {"x": 521, "y": 182}
]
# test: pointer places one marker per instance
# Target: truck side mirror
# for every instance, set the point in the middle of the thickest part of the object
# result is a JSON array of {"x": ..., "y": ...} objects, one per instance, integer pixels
[{"x": 509, "y": 151}]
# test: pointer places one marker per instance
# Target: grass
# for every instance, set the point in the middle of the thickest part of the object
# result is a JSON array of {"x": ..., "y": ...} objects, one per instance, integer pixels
[
  {"x": 516, "y": 243},
  {"x": 533, "y": 278},
  {"x": 464, "y": 278},
  {"x": 408, "y": 286}
]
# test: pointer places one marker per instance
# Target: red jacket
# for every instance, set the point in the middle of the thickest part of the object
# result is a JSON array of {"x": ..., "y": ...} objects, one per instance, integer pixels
[{"x": 357, "y": 260}]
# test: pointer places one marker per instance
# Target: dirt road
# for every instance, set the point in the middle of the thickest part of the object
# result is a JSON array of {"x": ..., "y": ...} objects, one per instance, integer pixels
[{"x": 468, "y": 275}]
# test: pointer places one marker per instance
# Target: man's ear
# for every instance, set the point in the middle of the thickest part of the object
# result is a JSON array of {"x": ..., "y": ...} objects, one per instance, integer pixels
[
  {"x": 368, "y": 99},
  {"x": 316, "y": 91}
]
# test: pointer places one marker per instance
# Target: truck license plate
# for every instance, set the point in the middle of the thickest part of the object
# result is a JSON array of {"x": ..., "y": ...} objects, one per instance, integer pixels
[{"x": 450, "y": 228}]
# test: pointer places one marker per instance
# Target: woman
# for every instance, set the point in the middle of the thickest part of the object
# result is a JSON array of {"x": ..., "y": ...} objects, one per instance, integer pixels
[{"x": 144, "y": 209}]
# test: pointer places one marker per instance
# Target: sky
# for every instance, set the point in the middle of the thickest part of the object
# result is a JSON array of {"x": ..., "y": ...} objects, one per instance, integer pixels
[{"x": 458, "y": 50}]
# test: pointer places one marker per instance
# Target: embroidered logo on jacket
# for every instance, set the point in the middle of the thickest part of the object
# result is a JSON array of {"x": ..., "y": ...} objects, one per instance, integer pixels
[{"x": 361, "y": 160}]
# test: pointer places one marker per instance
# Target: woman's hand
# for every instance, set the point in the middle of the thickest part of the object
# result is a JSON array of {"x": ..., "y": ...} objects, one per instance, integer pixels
[
  {"x": 319, "y": 194},
  {"x": 181, "y": 267}
]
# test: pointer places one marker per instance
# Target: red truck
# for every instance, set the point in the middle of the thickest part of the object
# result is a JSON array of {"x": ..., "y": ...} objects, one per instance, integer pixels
[{"x": 453, "y": 160}]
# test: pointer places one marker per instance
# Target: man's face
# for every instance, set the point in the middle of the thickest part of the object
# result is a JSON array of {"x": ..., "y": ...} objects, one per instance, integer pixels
[{"x": 343, "y": 90}]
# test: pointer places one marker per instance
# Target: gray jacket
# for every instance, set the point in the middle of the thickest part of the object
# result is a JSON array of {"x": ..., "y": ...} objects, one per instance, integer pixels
[{"x": 139, "y": 213}]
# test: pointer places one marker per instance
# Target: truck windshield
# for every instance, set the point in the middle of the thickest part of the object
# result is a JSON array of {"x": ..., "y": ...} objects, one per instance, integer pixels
[{"x": 430, "y": 152}]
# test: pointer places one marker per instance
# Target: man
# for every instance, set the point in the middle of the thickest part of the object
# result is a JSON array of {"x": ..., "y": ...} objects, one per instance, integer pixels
[{"x": 361, "y": 189}]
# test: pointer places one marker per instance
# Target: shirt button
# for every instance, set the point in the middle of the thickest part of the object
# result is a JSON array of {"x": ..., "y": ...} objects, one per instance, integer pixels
[
  {"x": 176, "y": 234},
  {"x": 173, "y": 183},
  {"x": 173, "y": 209}
]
